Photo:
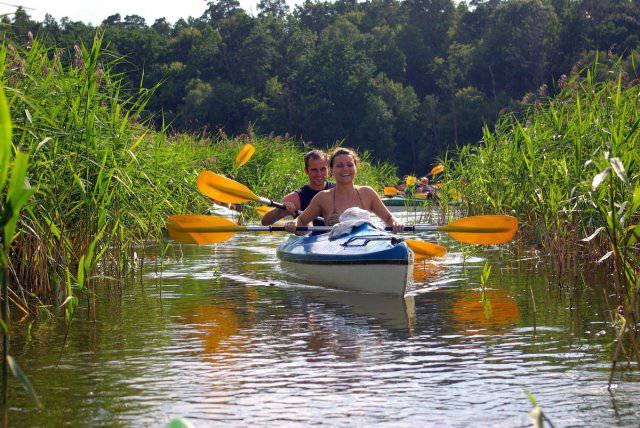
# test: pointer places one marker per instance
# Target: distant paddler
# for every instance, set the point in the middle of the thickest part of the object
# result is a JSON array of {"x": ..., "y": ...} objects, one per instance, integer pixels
[{"x": 315, "y": 166}]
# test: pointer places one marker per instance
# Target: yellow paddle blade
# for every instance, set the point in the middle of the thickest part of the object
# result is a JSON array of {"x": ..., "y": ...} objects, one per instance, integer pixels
[
  {"x": 420, "y": 195},
  {"x": 423, "y": 249},
  {"x": 484, "y": 229},
  {"x": 244, "y": 155},
  {"x": 390, "y": 191},
  {"x": 263, "y": 209},
  {"x": 437, "y": 169},
  {"x": 223, "y": 189},
  {"x": 201, "y": 229}
]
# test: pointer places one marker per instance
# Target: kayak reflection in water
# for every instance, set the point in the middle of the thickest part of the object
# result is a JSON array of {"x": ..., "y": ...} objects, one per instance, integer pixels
[
  {"x": 315, "y": 166},
  {"x": 333, "y": 202}
]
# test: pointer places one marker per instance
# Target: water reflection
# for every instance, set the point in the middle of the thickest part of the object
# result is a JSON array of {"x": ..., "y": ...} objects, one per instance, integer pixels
[
  {"x": 223, "y": 337},
  {"x": 495, "y": 312}
]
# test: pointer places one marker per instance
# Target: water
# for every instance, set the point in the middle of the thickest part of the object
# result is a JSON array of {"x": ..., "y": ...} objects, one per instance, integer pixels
[{"x": 224, "y": 336}]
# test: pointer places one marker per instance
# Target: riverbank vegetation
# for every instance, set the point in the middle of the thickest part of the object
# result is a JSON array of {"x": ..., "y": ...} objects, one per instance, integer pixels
[
  {"x": 103, "y": 182},
  {"x": 568, "y": 168},
  {"x": 405, "y": 80}
]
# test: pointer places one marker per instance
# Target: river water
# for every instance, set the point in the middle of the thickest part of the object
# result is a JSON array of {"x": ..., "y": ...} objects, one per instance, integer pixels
[{"x": 222, "y": 335}]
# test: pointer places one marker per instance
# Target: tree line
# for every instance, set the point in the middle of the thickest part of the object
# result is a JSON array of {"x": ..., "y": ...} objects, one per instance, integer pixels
[{"x": 406, "y": 80}]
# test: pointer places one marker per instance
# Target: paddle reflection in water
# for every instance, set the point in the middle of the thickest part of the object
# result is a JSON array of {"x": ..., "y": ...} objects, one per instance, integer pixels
[
  {"x": 497, "y": 313},
  {"x": 223, "y": 327}
]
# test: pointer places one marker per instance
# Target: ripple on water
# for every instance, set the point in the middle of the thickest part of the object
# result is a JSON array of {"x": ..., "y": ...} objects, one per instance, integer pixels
[{"x": 229, "y": 338}]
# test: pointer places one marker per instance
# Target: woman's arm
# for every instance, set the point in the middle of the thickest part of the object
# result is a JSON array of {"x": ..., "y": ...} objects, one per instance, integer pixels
[
  {"x": 379, "y": 209},
  {"x": 313, "y": 210}
]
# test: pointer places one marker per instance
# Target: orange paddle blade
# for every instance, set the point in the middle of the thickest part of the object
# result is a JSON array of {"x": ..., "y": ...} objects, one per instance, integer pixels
[
  {"x": 437, "y": 184},
  {"x": 437, "y": 169},
  {"x": 263, "y": 209},
  {"x": 390, "y": 191},
  {"x": 201, "y": 229},
  {"x": 223, "y": 189},
  {"x": 484, "y": 229},
  {"x": 244, "y": 155},
  {"x": 423, "y": 249}
]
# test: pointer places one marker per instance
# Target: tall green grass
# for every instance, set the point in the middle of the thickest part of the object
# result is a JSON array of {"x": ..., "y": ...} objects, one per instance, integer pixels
[
  {"x": 569, "y": 168},
  {"x": 104, "y": 180}
]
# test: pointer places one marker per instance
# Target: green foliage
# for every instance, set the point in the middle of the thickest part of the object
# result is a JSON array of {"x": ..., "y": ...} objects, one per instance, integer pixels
[
  {"x": 403, "y": 80},
  {"x": 104, "y": 182},
  {"x": 569, "y": 170}
]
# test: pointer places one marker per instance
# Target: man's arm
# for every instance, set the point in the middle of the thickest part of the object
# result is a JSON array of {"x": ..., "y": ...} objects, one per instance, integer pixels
[{"x": 291, "y": 201}]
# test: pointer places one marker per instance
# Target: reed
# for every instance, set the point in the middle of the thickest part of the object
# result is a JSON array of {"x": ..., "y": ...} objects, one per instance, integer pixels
[
  {"x": 104, "y": 179},
  {"x": 569, "y": 168}
]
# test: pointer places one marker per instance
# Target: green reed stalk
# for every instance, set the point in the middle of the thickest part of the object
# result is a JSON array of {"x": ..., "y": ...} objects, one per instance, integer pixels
[{"x": 569, "y": 168}]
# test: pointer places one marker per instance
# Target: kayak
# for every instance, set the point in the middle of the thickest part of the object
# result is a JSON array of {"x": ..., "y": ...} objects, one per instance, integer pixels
[
  {"x": 398, "y": 201},
  {"x": 365, "y": 260}
]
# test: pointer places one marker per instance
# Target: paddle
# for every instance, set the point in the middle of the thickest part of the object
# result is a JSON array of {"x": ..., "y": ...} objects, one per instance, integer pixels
[
  {"x": 223, "y": 189},
  {"x": 204, "y": 229},
  {"x": 262, "y": 210},
  {"x": 437, "y": 169},
  {"x": 244, "y": 155},
  {"x": 390, "y": 191}
]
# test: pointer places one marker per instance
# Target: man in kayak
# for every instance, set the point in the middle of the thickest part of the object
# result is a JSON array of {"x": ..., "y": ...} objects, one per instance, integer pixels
[
  {"x": 315, "y": 166},
  {"x": 331, "y": 203}
]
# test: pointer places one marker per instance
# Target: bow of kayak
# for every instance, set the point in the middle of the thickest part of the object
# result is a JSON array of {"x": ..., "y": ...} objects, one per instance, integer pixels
[{"x": 367, "y": 260}]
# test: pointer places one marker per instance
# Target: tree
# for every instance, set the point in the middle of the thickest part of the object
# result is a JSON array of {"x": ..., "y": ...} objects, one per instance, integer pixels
[
  {"x": 425, "y": 37},
  {"x": 221, "y": 9},
  {"x": 517, "y": 47},
  {"x": 273, "y": 8}
]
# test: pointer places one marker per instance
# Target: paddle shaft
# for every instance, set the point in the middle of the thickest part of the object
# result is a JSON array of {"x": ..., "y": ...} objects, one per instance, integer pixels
[
  {"x": 280, "y": 206},
  {"x": 417, "y": 228}
]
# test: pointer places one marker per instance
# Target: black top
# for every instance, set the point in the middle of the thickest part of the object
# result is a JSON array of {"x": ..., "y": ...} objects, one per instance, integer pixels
[{"x": 306, "y": 193}]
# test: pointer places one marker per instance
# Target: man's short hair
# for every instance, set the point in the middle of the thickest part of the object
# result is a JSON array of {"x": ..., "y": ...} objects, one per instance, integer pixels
[{"x": 314, "y": 154}]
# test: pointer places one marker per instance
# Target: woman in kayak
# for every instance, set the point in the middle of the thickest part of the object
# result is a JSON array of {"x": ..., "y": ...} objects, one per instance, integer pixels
[{"x": 333, "y": 202}]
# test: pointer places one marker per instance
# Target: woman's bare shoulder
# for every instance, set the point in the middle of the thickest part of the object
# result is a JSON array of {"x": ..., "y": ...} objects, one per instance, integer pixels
[{"x": 367, "y": 190}]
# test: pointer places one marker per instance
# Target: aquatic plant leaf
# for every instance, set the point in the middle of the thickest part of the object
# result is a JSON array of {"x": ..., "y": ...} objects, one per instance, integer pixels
[
  {"x": 179, "y": 423},
  {"x": 605, "y": 257},
  {"x": 42, "y": 143},
  {"x": 593, "y": 235},
  {"x": 635, "y": 202},
  {"x": 618, "y": 168},
  {"x": 24, "y": 380},
  {"x": 18, "y": 195},
  {"x": 5, "y": 138},
  {"x": 80, "y": 275},
  {"x": 597, "y": 180}
]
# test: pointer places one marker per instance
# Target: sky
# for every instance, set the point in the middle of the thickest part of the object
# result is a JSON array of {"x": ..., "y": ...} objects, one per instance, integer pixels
[{"x": 94, "y": 11}]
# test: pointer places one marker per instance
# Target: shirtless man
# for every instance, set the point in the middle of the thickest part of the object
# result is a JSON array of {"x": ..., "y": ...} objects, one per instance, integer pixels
[{"x": 315, "y": 166}]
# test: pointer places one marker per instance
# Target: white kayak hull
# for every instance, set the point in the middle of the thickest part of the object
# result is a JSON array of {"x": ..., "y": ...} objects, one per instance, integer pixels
[{"x": 367, "y": 260}]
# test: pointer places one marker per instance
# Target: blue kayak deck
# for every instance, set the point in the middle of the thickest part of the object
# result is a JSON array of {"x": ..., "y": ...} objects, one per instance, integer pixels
[{"x": 364, "y": 245}]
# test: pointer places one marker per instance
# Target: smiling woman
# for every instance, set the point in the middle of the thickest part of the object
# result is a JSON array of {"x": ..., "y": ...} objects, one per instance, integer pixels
[{"x": 333, "y": 202}]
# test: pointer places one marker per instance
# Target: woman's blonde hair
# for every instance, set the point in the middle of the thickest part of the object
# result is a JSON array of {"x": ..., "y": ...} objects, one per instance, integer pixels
[{"x": 343, "y": 151}]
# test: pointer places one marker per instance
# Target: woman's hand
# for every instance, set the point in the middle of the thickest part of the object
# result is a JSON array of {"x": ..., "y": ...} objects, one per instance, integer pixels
[
  {"x": 396, "y": 226},
  {"x": 291, "y": 226}
]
